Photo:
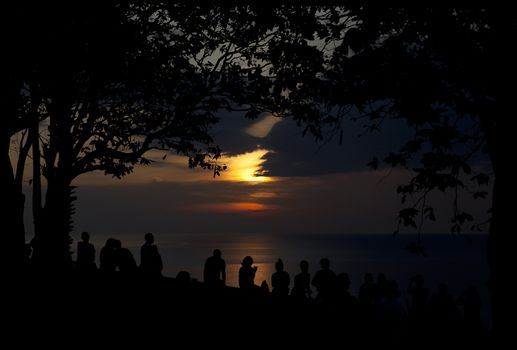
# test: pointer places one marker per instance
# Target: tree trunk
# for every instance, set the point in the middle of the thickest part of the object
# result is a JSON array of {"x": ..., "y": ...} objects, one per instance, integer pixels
[
  {"x": 36, "y": 176},
  {"x": 494, "y": 262},
  {"x": 498, "y": 247},
  {"x": 53, "y": 223},
  {"x": 52, "y": 239}
]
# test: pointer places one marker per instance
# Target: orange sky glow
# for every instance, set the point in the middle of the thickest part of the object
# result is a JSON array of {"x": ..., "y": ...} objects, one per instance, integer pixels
[{"x": 233, "y": 207}]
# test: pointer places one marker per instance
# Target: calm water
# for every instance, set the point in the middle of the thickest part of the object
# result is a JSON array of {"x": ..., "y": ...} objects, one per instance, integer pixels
[{"x": 451, "y": 259}]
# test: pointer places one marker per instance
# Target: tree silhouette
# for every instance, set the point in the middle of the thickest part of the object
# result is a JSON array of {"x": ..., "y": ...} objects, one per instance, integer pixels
[
  {"x": 19, "y": 129},
  {"x": 110, "y": 93},
  {"x": 439, "y": 69},
  {"x": 118, "y": 80}
]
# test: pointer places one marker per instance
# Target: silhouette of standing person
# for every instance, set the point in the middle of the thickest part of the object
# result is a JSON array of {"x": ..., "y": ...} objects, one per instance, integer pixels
[
  {"x": 247, "y": 273},
  {"x": 108, "y": 256},
  {"x": 302, "y": 283},
  {"x": 214, "y": 273},
  {"x": 471, "y": 303},
  {"x": 418, "y": 295},
  {"x": 85, "y": 254},
  {"x": 126, "y": 262},
  {"x": 280, "y": 280},
  {"x": 150, "y": 260},
  {"x": 444, "y": 315},
  {"x": 325, "y": 282}
]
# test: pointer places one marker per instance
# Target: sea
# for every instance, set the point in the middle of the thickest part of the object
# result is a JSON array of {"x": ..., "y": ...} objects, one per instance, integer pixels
[{"x": 457, "y": 260}]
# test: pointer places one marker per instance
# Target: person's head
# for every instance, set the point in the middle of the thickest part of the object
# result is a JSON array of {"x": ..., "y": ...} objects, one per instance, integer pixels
[
  {"x": 279, "y": 265},
  {"x": 368, "y": 278},
  {"x": 325, "y": 263},
  {"x": 247, "y": 261},
  {"x": 111, "y": 243},
  {"x": 304, "y": 266},
  {"x": 149, "y": 238},
  {"x": 85, "y": 236},
  {"x": 183, "y": 278},
  {"x": 217, "y": 253}
]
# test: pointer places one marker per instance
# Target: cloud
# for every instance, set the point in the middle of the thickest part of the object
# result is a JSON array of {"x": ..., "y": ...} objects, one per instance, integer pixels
[
  {"x": 245, "y": 167},
  {"x": 291, "y": 154},
  {"x": 295, "y": 155},
  {"x": 263, "y": 127},
  {"x": 230, "y": 133}
]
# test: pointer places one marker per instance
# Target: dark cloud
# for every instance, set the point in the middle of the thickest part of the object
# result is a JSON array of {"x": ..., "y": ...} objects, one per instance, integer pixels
[
  {"x": 230, "y": 133},
  {"x": 295, "y": 155}
]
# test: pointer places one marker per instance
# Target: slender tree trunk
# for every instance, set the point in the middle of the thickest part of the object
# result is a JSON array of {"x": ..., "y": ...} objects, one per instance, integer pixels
[
  {"x": 36, "y": 175},
  {"x": 494, "y": 261},
  {"x": 498, "y": 248}
]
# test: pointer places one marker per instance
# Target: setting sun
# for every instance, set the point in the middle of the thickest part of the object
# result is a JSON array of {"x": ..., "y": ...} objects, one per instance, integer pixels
[{"x": 247, "y": 167}]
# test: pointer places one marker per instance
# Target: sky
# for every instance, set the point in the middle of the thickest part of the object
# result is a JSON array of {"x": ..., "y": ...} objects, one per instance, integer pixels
[{"x": 305, "y": 187}]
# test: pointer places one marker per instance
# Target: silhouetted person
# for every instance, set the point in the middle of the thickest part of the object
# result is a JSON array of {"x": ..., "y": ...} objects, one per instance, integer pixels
[
  {"x": 108, "y": 256},
  {"x": 150, "y": 260},
  {"x": 247, "y": 273},
  {"x": 417, "y": 308},
  {"x": 264, "y": 288},
  {"x": 126, "y": 262},
  {"x": 183, "y": 279},
  {"x": 391, "y": 314},
  {"x": 346, "y": 303},
  {"x": 471, "y": 303},
  {"x": 85, "y": 254},
  {"x": 368, "y": 291},
  {"x": 214, "y": 273},
  {"x": 325, "y": 282},
  {"x": 343, "y": 284},
  {"x": 280, "y": 280},
  {"x": 444, "y": 315},
  {"x": 381, "y": 287},
  {"x": 368, "y": 299},
  {"x": 302, "y": 283}
]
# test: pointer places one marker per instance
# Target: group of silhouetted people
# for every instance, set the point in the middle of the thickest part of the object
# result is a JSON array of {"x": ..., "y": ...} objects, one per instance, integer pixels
[
  {"x": 378, "y": 303},
  {"x": 113, "y": 257}
]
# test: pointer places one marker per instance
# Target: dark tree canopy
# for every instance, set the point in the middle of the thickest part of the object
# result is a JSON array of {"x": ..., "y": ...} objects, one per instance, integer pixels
[
  {"x": 441, "y": 71},
  {"x": 117, "y": 80}
]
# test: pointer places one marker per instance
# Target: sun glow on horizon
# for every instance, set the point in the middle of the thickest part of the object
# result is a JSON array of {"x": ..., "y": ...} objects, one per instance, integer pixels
[
  {"x": 247, "y": 167},
  {"x": 233, "y": 207},
  {"x": 244, "y": 168}
]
